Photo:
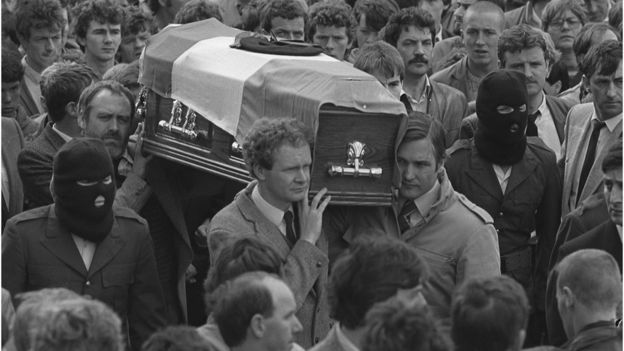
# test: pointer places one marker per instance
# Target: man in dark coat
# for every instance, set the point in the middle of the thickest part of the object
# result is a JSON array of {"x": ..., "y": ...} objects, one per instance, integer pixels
[
  {"x": 84, "y": 244},
  {"x": 516, "y": 180}
]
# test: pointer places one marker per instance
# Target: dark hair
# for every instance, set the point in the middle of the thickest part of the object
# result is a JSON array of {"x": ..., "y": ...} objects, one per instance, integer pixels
[
  {"x": 135, "y": 21},
  {"x": 392, "y": 325},
  {"x": 241, "y": 299},
  {"x": 12, "y": 69},
  {"x": 177, "y": 338},
  {"x": 421, "y": 126},
  {"x": 101, "y": 11},
  {"x": 287, "y": 9},
  {"x": 371, "y": 271},
  {"x": 197, "y": 10},
  {"x": 252, "y": 21},
  {"x": 247, "y": 254},
  {"x": 410, "y": 16},
  {"x": 615, "y": 16},
  {"x": 594, "y": 278},
  {"x": 38, "y": 14},
  {"x": 523, "y": 36},
  {"x": 154, "y": 6},
  {"x": 613, "y": 158},
  {"x": 380, "y": 57},
  {"x": 87, "y": 95},
  {"x": 377, "y": 12},
  {"x": 268, "y": 135},
  {"x": 331, "y": 13},
  {"x": 584, "y": 39},
  {"x": 602, "y": 59},
  {"x": 62, "y": 83},
  {"x": 487, "y": 314},
  {"x": 125, "y": 73},
  {"x": 556, "y": 8}
]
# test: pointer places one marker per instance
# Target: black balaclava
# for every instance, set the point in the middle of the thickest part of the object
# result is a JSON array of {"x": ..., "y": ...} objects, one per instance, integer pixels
[
  {"x": 84, "y": 188},
  {"x": 500, "y": 137}
]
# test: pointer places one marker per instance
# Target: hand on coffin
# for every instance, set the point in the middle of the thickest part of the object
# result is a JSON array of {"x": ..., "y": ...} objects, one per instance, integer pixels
[
  {"x": 140, "y": 160},
  {"x": 311, "y": 216}
]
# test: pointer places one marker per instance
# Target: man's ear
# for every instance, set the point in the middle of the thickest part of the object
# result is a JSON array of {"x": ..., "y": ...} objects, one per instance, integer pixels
[
  {"x": 585, "y": 82},
  {"x": 42, "y": 100},
  {"x": 259, "y": 172},
  {"x": 568, "y": 297},
  {"x": 257, "y": 326},
  {"x": 71, "y": 110},
  {"x": 80, "y": 41},
  {"x": 82, "y": 123}
]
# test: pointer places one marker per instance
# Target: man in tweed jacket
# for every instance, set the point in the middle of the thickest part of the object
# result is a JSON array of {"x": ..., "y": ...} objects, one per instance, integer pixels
[{"x": 275, "y": 209}]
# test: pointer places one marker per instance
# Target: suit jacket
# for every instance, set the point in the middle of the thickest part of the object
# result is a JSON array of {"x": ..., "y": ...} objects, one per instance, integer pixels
[
  {"x": 331, "y": 341},
  {"x": 603, "y": 237},
  {"x": 306, "y": 265},
  {"x": 558, "y": 108},
  {"x": 597, "y": 336},
  {"x": 448, "y": 105},
  {"x": 530, "y": 202},
  {"x": 577, "y": 133},
  {"x": 37, "y": 252},
  {"x": 12, "y": 144}
]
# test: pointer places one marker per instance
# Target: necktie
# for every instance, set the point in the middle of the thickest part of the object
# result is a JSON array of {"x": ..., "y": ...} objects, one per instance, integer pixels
[
  {"x": 590, "y": 156},
  {"x": 531, "y": 126},
  {"x": 406, "y": 210},
  {"x": 290, "y": 231}
]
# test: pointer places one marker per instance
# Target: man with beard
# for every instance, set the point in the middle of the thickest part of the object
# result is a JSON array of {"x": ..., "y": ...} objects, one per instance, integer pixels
[
  {"x": 412, "y": 32},
  {"x": 516, "y": 180},
  {"x": 105, "y": 111},
  {"x": 84, "y": 244},
  {"x": 592, "y": 127}
]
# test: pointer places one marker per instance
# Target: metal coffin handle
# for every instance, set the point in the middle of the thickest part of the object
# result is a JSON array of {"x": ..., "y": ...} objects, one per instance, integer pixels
[
  {"x": 179, "y": 126},
  {"x": 356, "y": 151}
]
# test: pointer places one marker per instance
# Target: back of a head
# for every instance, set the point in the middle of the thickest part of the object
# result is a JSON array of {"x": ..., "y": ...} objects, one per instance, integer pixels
[
  {"x": 239, "y": 300},
  {"x": 77, "y": 325},
  {"x": 489, "y": 314},
  {"x": 394, "y": 326},
  {"x": 12, "y": 69},
  {"x": 247, "y": 254},
  {"x": 377, "y": 12},
  {"x": 62, "y": 83},
  {"x": 380, "y": 57},
  {"x": 593, "y": 277},
  {"x": 177, "y": 338},
  {"x": 588, "y": 37},
  {"x": 603, "y": 59},
  {"x": 371, "y": 271},
  {"x": 197, "y": 10}
]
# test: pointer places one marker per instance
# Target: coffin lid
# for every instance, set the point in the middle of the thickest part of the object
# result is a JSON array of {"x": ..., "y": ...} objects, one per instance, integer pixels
[{"x": 232, "y": 88}]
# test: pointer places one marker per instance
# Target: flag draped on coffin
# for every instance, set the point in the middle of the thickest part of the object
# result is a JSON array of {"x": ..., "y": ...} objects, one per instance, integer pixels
[{"x": 232, "y": 88}]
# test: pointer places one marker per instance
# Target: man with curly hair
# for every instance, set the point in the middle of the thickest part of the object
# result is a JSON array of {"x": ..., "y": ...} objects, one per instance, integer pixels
[
  {"x": 98, "y": 31},
  {"x": 39, "y": 29},
  {"x": 284, "y": 19},
  {"x": 136, "y": 28},
  {"x": 332, "y": 27},
  {"x": 275, "y": 209}
]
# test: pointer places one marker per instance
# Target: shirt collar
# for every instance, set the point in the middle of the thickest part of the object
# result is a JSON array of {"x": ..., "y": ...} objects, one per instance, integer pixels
[
  {"x": 542, "y": 107},
  {"x": 619, "y": 229},
  {"x": 30, "y": 72},
  {"x": 426, "y": 200},
  {"x": 272, "y": 213},
  {"x": 61, "y": 134},
  {"x": 438, "y": 36},
  {"x": 611, "y": 123},
  {"x": 425, "y": 92},
  {"x": 346, "y": 344}
]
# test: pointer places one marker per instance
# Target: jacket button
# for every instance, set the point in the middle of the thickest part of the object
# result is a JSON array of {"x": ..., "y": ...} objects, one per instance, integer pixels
[
  {"x": 500, "y": 213},
  {"x": 319, "y": 264},
  {"x": 88, "y": 282},
  {"x": 316, "y": 340}
]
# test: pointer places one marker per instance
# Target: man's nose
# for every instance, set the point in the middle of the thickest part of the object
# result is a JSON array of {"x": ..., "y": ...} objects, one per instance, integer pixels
[
  {"x": 331, "y": 43},
  {"x": 297, "y": 327}
]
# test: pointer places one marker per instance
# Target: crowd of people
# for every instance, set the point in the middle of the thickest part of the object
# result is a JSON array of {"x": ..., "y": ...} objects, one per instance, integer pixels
[{"x": 504, "y": 232}]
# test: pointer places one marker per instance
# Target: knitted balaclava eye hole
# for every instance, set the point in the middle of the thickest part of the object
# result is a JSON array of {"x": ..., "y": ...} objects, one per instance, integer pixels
[
  {"x": 84, "y": 188},
  {"x": 502, "y": 112}
]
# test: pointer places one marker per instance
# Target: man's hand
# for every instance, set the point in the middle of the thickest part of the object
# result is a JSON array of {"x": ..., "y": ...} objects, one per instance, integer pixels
[
  {"x": 140, "y": 161},
  {"x": 311, "y": 216}
]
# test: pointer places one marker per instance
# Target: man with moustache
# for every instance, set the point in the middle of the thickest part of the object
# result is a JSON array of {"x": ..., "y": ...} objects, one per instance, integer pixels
[
  {"x": 591, "y": 127},
  {"x": 483, "y": 23},
  {"x": 98, "y": 31},
  {"x": 412, "y": 31},
  {"x": 332, "y": 27}
]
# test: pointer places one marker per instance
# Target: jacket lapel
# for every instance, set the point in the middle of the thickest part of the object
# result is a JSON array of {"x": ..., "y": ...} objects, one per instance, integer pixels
[
  {"x": 60, "y": 243},
  {"x": 521, "y": 170},
  {"x": 107, "y": 249},
  {"x": 594, "y": 179},
  {"x": 558, "y": 116},
  {"x": 482, "y": 173}
]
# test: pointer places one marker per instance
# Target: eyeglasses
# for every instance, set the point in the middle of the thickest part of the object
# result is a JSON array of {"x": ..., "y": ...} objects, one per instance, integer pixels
[{"x": 572, "y": 22}]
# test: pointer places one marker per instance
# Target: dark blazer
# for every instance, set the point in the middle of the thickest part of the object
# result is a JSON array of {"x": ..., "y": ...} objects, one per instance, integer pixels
[
  {"x": 604, "y": 237},
  {"x": 306, "y": 265},
  {"x": 35, "y": 167},
  {"x": 530, "y": 202},
  {"x": 12, "y": 144},
  {"x": 37, "y": 252}
]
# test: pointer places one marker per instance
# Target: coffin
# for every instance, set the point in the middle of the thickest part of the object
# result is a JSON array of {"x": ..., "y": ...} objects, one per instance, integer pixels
[{"x": 200, "y": 97}]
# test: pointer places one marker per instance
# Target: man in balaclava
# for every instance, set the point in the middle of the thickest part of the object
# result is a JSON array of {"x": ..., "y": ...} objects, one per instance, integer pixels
[
  {"x": 84, "y": 244},
  {"x": 516, "y": 180}
]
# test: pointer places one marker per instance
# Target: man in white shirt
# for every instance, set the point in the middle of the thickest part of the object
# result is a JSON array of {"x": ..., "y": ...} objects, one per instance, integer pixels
[
  {"x": 39, "y": 29},
  {"x": 275, "y": 209}
]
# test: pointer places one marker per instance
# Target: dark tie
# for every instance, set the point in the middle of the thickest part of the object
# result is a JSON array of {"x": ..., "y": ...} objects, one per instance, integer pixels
[
  {"x": 590, "y": 156},
  {"x": 531, "y": 126},
  {"x": 290, "y": 230},
  {"x": 406, "y": 210}
]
